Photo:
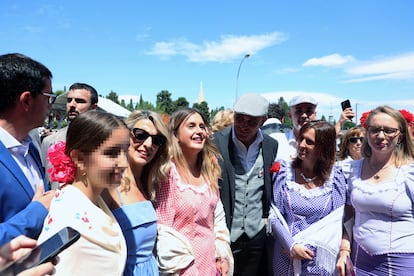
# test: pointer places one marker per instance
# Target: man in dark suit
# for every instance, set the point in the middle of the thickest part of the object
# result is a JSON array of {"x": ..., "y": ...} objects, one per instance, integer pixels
[
  {"x": 26, "y": 98},
  {"x": 245, "y": 185}
]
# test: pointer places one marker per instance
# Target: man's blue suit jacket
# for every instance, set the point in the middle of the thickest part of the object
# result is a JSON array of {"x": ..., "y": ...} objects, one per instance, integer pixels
[{"x": 19, "y": 215}]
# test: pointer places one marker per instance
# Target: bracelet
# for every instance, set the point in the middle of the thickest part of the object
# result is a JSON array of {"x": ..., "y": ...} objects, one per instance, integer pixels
[{"x": 345, "y": 249}]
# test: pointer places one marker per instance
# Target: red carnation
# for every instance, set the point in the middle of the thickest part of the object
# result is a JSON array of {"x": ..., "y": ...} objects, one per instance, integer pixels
[
  {"x": 275, "y": 167},
  {"x": 364, "y": 118},
  {"x": 408, "y": 116},
  {"x": 63, "y": 169}
]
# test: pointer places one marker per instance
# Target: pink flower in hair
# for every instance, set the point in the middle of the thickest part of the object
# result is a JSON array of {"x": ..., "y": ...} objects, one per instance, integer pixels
[{"x": 63, "y": 169}]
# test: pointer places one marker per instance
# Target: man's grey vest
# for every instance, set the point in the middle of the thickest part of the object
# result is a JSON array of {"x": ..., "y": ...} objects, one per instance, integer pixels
[{"x": 248, "y": 209}]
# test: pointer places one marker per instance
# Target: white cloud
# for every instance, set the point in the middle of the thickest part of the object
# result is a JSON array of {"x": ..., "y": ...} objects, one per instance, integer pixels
[
  {"x": 329, "y": 61},
  {"x": 397, "y": 68},
  {"x": 227, "y": 49},
  {"x": 391, "y": 76}
]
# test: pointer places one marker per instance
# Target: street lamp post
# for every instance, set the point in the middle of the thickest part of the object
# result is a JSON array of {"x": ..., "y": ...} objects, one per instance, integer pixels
[{"x": 238, "y": 73}]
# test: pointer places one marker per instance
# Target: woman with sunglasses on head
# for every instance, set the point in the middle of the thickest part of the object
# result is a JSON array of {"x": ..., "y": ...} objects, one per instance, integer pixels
[
  {"x": 131, "y": 202},
  {"x": 190, "y": 214},
  {"x": 309, "y": 196},
  {"x": 381, "y": 195},
  {"x": 351, "y": 148}
]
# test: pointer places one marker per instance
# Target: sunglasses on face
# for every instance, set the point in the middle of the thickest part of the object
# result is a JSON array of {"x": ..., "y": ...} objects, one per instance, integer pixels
[
  {"x": 141, "y": 135},
  {"x": 353, "y": 140}
]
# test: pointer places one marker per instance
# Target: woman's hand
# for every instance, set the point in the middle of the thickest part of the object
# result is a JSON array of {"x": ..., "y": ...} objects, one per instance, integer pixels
[
  {"x": 301, "y": 252},
  {"x": 340, "y": 265},
  {"x": 223, "y": 266}
]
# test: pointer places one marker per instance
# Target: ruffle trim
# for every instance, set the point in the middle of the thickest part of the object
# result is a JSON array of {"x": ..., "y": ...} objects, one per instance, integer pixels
[
  {"x": 182, "y": 186},
  {"x": 367, "y": 187},
  {"x": 287, "y": 172}
]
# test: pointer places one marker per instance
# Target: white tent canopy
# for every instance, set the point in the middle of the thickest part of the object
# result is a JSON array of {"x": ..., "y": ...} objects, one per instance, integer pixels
[{"x": 103, "y": 104}]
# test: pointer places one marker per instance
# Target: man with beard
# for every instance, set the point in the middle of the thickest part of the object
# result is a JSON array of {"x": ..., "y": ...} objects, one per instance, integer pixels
[
  {"x": 302, "y": 109},
  {"x": 81, "y": 98},
  {"x": 245, "y": 185}
]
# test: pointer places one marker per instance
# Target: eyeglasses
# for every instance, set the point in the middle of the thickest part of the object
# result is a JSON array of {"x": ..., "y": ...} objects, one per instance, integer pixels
[
  {"x": 388, "y": 131},
  {"x": 77, "y": 100},
  {"x": 353, "y": 140},
  {"x": 141, "y": 135},
  {"x": 51, "y": 97}
]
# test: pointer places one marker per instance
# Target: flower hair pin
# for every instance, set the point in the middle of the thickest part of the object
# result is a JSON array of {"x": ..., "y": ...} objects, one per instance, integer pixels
[{"x": 63, "y": 169}]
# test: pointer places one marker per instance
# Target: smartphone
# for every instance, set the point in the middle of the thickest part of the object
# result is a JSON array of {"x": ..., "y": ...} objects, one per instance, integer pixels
[
  {"x": 346, "y": 104},
  {"x": 43, "y": 252}
]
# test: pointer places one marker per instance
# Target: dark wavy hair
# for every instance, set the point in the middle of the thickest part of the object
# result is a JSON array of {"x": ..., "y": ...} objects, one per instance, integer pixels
[{"x": 325, "y": 148}]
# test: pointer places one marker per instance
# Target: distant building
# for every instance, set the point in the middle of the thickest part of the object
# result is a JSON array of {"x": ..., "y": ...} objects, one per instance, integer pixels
[{"x": 201, "y": 97}]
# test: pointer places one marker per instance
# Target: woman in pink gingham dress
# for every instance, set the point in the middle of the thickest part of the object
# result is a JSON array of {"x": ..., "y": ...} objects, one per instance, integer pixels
[{"x": 187, "y": 202}]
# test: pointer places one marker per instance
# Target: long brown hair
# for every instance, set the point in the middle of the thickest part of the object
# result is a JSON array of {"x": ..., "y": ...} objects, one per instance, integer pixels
[
  {"x": 325, "y": 148},
  {"x": 207, "y": 158}
]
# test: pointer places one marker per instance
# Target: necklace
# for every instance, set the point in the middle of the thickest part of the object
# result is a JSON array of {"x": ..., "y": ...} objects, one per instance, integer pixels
[
  {"x": 308, "y": 179},
  {"x": 376, "y": 175}
]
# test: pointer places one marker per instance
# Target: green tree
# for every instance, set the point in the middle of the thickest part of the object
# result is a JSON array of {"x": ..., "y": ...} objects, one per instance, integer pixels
[
  {"x": 130, "y": 106},
  {"x": 123, "y": 103},
  {"x": 59, "y": 92},
  {"x": 113, "y": 96},
  {"x": 203, "y": 108},
  {"x": 164, "y": 104},
  {"x": 180, "y": 103},
  {"x": 144, "y": 105}
]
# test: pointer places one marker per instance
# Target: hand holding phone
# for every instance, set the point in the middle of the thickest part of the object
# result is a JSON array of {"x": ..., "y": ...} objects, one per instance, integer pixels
[
  {"x": 43, "y": 252},
  {"x": 346, "y": 104}
]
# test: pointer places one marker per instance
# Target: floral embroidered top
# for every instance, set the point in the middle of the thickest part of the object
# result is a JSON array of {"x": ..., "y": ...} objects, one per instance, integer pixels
[
  {"x": 101, "y": 250},
  {"x": 384, "y": 213}
]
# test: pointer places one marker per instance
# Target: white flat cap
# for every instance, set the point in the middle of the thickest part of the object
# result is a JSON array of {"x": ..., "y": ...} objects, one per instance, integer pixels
[
  {"x": 302, "y": 99},
  {"x": 251, "y": 104}
]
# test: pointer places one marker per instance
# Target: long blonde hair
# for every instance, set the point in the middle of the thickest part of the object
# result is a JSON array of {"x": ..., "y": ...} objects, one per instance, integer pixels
[
  {"x": 208, "y": 157},
  {"x": 154, "y": 172}
]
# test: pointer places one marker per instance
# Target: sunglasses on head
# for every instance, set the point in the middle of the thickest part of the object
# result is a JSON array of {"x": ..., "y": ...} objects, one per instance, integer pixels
[
  {"x": 141, "y": 135},
  {"x": 353, "y": 140}
]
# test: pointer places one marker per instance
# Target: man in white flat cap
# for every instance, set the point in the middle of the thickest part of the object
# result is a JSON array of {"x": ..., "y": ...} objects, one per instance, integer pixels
[
  {"x": 245, "y": 184},
  {"x": 302, "y": 109}
]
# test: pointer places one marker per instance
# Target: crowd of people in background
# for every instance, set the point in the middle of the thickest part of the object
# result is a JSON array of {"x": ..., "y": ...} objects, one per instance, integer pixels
[{"x": 242, "y": 194}]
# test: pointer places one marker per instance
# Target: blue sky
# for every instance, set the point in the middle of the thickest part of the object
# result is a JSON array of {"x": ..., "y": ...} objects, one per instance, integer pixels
[{"x": 361, "y": 50}]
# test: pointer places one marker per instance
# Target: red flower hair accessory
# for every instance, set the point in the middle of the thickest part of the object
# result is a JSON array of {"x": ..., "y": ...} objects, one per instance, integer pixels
[
  {"x": 275, "y": 167},
  {"x": 408, "y": 116},
  {"x": 364, "y": 117},
  {"x": 63, "y": 169}
]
